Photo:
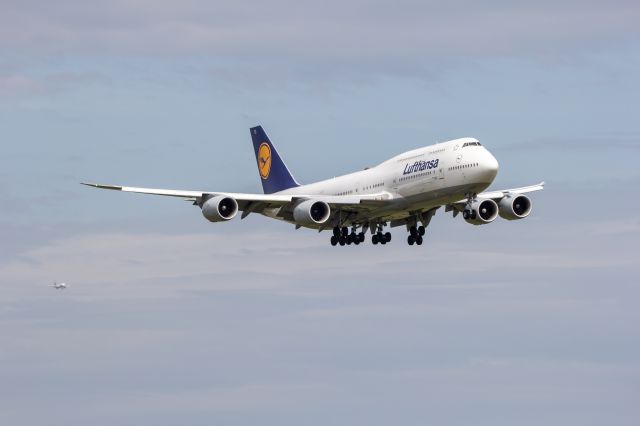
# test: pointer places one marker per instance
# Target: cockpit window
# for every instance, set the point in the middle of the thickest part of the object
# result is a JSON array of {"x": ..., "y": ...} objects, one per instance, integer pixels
[{"x": 471, "y": 144}]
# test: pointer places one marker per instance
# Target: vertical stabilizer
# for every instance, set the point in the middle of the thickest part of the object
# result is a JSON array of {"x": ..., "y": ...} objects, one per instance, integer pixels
[{"x": 274, "y": 174}]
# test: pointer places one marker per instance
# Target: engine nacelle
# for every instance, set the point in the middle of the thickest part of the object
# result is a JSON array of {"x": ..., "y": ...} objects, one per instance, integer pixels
[
  {"x": 482, "y": 212},
  {"x": 513, "y": 208},
  {"x": 219, "y": 208},
  {"x": 310, "y": 212}
]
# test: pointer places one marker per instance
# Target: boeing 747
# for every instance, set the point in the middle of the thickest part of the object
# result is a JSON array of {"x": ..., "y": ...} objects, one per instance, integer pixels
[{"x": 405, "y": 190}]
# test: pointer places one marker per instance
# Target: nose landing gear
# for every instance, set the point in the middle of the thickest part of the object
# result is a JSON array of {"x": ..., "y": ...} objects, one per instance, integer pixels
[{"x": 469, "y": 214}]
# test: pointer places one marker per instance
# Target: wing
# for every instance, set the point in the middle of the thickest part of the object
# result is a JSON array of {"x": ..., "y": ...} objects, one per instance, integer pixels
[
  {"x": 499, "y": 195},
  {"x": 495, "y": 196},
  {"x": 248, "y": 203},
  {"x": 190, "y": 195},
  {"x": 195, "y": 195}
]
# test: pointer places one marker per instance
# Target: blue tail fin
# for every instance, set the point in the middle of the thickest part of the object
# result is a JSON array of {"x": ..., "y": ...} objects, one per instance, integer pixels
[{"x": 273, "y": 172}]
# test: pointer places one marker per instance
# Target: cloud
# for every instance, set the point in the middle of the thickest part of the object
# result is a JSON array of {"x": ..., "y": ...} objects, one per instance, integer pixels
[
  {"x": 613, "y": 227},
  {"x": 17, "y": 86},
  {"x": 238, "y": 260},
  {"x": 387, "y": 37},
  {"x": 254, "y": 323},
  {"x": 578, "y": 145}
]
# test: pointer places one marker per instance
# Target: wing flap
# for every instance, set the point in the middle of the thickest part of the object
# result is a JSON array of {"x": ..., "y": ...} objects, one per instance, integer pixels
[{"x": 340, "y": 200}]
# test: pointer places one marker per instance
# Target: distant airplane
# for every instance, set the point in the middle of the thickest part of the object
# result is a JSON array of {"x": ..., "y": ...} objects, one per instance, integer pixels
[
  {"x": 404, "y": 190},
  {"x": 58, "y": 286}
]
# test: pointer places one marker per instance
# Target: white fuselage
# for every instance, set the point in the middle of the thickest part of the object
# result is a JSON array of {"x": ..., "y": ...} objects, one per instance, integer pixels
[{"x": 420, "y": 179}]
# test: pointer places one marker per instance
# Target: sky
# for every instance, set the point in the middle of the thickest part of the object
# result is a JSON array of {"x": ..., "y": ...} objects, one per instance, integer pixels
[{"x": 170, "y": 319}]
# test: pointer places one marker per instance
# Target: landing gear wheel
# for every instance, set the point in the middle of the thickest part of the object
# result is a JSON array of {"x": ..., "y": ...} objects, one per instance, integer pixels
[
  {"x": 410, "y": 240},
  {"x": 336, "y": 231},
  {"x": 334, "y": 240},
  {"x": 419, "y": 240},
  {"x": 345, "y": 231},
  {"x": 466, "y": 214},
  {"x": 342, "y": 240},
  {"x": 473, "y": 215},
  {"x": 387, "y": 236},
  {"x": 374, "y": 239},
  {"x": 361, "y": 237},
  {"x": 413, "y": 231},
  {"x": 421, "y": 230}
]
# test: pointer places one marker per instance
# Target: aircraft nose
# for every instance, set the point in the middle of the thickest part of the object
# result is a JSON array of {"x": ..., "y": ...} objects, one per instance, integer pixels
[{"x": 491, "y": 166}]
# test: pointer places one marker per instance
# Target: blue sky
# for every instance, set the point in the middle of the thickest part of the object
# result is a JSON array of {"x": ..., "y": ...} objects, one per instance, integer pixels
[{"x": 171, "y": 319}]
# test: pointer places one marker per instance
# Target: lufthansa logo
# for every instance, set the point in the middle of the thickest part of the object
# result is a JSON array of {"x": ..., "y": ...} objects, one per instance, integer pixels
[
  {"x": 264, "y": 160},
  {"x": 419, "y": 166}
]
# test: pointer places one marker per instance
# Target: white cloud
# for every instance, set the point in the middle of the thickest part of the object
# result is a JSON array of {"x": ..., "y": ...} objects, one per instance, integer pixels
[
  {"x": 251, "y": 324},
  {"x": 116, "y": 264},
  {"x": 382, "y": 37},
  {"x": 613, "y": 227},
  {"x": 16, "y": 86}
]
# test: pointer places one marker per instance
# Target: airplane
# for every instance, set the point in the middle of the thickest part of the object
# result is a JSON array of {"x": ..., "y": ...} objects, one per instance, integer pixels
[
  {"x": 58, "y": 286},
  {"x": 405, "y": 190}
]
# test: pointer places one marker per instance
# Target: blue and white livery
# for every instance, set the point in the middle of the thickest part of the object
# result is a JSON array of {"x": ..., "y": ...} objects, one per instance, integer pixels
[{"x": 405, "y": 190}]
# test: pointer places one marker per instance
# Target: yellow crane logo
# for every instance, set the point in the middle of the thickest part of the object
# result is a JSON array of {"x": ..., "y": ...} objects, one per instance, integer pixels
[{"x": 264, "y": 160}]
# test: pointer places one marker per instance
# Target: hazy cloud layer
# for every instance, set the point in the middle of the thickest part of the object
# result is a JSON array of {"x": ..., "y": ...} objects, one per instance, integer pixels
[
  {"x": 17, "y": 86},
  {"x": 377, "y": 37},
  {"x": 483, "y": 325}
]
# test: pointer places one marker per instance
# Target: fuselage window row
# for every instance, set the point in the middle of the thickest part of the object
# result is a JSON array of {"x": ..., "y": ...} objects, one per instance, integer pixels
[
  {"x": 364, "y": 188},
  {"x": 463, "y": 166},
  {"x": 402, "y": 179}
]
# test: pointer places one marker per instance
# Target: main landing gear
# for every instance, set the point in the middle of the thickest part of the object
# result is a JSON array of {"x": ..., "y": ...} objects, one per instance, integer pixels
[
  {"x": 415, "y": 235},
  {"x": 379, "y": 237},
  {"x": 342, "y": 236}
]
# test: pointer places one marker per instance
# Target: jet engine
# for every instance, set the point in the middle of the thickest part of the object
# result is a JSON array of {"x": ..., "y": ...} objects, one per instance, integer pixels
[
  {"x": 219, "y": 208},
  {"x": 482, "y": 212},
  {"x": 310, "y": 212},
  {"x": 513, "y": 208}
]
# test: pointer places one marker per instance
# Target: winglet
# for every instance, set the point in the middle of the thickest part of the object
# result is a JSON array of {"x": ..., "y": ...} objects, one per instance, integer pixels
[{"x": 97, "y": 185}]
